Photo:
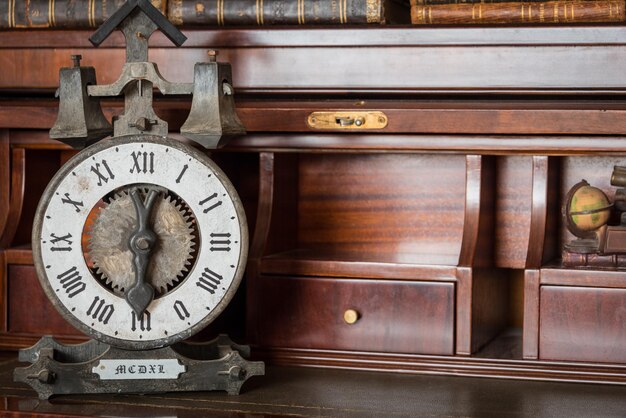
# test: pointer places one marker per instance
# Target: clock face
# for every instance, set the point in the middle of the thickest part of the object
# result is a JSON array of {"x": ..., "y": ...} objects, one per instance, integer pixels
[{"x": 88, "y": 215}]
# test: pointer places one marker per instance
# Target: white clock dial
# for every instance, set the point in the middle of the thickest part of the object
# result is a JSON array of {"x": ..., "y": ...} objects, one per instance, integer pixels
[{"x": 86, "y": 216}]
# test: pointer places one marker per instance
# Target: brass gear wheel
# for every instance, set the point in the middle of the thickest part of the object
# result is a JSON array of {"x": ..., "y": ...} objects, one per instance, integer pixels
[{"x": 110, "y": 232}]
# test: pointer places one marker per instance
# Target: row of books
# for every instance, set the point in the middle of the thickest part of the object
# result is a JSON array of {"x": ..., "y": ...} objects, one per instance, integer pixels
[
  {"x": 75, "y": 14},
  {"x": 493, "y": 12}
]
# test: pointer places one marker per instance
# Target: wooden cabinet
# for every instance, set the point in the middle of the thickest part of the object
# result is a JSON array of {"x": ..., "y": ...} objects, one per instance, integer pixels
[{"x": 441, "y": 230}]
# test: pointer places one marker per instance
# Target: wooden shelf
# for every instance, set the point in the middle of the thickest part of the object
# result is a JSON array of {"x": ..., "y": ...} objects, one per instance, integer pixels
[
  {"x": 359, "y": 265},
  {"x": 539, "y": 60}
]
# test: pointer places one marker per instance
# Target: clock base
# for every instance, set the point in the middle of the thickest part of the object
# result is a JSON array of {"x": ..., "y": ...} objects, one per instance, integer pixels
[{"x": 95, "y": 367}]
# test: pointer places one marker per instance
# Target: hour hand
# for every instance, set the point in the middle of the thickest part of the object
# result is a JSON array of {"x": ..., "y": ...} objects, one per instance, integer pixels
[{"x": 141, "y": 243}]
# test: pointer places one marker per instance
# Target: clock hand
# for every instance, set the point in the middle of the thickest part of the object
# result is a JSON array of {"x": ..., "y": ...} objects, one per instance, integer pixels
[{"x": 141, "y": 243}]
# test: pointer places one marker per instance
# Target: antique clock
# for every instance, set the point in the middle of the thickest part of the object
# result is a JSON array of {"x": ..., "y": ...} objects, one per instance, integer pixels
[{"x": 140, "y": 240}]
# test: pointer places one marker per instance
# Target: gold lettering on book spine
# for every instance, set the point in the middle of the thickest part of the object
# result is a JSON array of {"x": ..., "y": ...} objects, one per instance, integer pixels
[
  {"x": 301, "y": 18},
  {"x": 341, "y": 11},
  {"x": 175, "y": 12},
  {"x": 373, "y": 11},
  {"x": 11, "y": 16},
  {"x": 90, "y": 13},
  {"x": 541, "y": 12},
  {"x": 262, "y": 12},
  {"x": 51, "y": 20},
  {"x": 556, "y": 12}
]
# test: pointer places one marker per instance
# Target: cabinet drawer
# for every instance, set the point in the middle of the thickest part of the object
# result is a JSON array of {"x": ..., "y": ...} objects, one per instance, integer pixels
[
  {"x": 393, "y": 316},
  {"x": 29, "y": 312},
  {"x": 582, "y": 324}
]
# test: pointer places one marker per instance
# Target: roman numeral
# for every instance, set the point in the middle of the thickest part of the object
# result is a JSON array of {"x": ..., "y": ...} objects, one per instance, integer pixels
[
  {"x": 64, "y": 239},
  {"x": 102, "y": 177},
  {"x": 75, "y": 203},
  {"x": 209, "y": 281},
  {"x": 181, "y": 311},
  {"x": 143, "y": 323},
  {"x": 143, "y": 162},
  {"x": 72, "y": 282},
  {"x": 220, "y": 242},
  {"x": 180, "y": 176},
  {"x": 208, "y": 199},
  {"x": 99, "y": 311}
]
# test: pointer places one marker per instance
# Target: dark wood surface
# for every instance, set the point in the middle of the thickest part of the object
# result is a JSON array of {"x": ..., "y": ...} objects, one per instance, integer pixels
[
  {"x": 287, "y": 391},
  {"x": 454, "y": 115},
  {"x": 402, "y": 208}
]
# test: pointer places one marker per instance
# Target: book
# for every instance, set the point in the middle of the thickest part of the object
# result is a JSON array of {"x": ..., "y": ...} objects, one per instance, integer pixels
[
  {"x": 282, "y": 12},
  {"x": 442, "y": 2},
  {"x": 67, "y": 14},
  {"x": 549, "y": 12},
  {"x": 572, "y": 259}
]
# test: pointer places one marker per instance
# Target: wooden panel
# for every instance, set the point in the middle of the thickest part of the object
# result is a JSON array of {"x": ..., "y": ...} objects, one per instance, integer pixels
[
  {"x": 29, "y": 310},
  {"x": 5, "y": 178},
  {"x": 539, "y": 212},
  {"x": 40, "y": 167},
  {"x": 453, "y": 68},
  {"x": 513, "y": 204},
  {"x": 488, "y": 117},
  {"x": 16, "y": 198},
  {"x": 490, "y": 291},
  {"x": 306, "y": 142},
  {"x": 395, "y": 316},
  {"x": 478, "y": 228},
  {"x": 395, "y": 208},
  {"x": 582, "y": 324},
  {"x": 344, "y": 36},
  {"x": 530, "y": 347},
  {"x": 583, "y": 277}
]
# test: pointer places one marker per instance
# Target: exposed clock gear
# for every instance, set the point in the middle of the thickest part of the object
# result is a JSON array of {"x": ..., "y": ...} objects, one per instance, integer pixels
[{"x": 114, "y": 223}]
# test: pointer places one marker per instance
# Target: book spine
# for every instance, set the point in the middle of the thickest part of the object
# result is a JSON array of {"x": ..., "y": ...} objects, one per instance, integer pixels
[
  {"x": 68, "y": 14},
  {"x": 570, "y": 259},
  {"x": 526, "y": 12},
  {"x": 443, "y": 2},
  {"x": 273, "y": 12}
]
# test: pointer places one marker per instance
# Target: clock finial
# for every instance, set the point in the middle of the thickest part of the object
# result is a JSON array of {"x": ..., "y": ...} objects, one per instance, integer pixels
[
  {"x": 211, "y": 120},
  {"x": 131, "y": 10}
]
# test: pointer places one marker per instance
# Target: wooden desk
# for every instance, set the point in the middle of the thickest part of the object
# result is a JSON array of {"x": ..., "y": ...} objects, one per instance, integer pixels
[
  {"x": 437, "y": 229},
  {"x": 335, "y": 393}
]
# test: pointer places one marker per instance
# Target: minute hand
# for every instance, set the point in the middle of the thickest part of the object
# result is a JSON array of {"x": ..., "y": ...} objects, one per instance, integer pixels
[{"x": 141, "y": 243}]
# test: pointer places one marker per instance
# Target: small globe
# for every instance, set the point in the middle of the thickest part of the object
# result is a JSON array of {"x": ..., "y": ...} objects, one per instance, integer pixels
[{"x": 589, "y": 208}]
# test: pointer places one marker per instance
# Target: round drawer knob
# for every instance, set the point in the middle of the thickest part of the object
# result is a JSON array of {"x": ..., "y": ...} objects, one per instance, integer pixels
[{"x": 351, "y": 316}]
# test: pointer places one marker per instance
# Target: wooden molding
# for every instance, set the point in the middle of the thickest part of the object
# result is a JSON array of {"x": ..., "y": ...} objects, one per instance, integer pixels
[
  {"x": 530, "y": 344},
  {"x": 18, "y": 173},
  {"x": 5, "y": 178}
]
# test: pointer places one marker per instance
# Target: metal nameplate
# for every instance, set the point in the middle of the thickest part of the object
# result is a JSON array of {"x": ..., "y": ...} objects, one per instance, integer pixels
[
  {"x": 348, "y": 120},
  {"x": 138, "y": 369}
]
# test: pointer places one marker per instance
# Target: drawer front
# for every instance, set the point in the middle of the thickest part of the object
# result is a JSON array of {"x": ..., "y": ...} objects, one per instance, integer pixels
[
  {"x": 582, "y": 324},
  {"x": 391, "y": 316},
  {"x": 29, "y": 310}
]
